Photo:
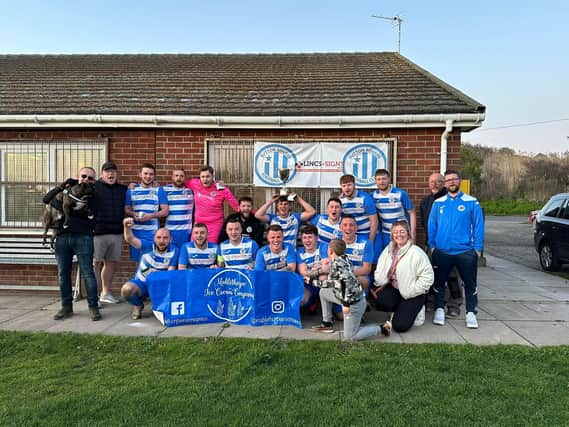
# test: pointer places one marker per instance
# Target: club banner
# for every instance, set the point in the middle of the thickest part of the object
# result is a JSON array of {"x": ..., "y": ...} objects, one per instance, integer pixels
[
  {"x": 243, "y": 297},
  {"x": 318, "y": 164}
]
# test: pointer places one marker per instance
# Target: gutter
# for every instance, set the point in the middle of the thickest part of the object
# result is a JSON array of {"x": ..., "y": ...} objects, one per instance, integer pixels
[{"x": 467, "y": 120}]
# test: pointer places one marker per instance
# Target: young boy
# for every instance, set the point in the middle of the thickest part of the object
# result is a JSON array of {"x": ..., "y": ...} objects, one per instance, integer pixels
[{"x": 342, "y": 287}]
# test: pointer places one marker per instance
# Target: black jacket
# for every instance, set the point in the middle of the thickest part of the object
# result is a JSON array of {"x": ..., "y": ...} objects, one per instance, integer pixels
[
  {"x": 425, "y": 208},
  {"x": 109, "y": 205}
]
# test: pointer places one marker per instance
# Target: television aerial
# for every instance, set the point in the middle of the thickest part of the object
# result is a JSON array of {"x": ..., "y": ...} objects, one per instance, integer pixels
[{"x": 397, "y": 20}]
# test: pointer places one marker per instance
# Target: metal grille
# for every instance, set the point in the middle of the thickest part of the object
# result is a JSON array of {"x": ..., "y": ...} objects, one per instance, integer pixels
[{"x": 28, "y": 169}]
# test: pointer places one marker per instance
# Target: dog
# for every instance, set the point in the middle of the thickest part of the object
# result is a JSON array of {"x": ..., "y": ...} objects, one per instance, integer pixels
[{"x": 74, "y": 198}]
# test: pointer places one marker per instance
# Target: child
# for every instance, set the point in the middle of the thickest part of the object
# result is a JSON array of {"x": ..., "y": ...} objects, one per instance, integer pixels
[{"x": 343, "y": 288}]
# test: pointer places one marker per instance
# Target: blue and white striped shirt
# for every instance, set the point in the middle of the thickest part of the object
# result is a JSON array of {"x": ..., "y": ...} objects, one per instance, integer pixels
[
  {"x": 391, "y": 207},
  {"x": 267, "y": 260},
  {"x": 181, "y": 205},
  {"x": 193, "y": 257},
  {"x": 240, "y": 256},
  {"x": 290, "y": 226},
  {"x": 312, "y": 260},
  {"x": 146, "y": 200},
  {"x": 326, "y": 230},
  {"x": 152, "y": 260},
  {"x": 361, "y": 207},
  {"x": 359, "y": 252}
]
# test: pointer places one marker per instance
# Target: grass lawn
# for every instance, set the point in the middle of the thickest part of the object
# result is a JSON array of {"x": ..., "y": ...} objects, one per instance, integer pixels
[{"x": 65, "y": 379}]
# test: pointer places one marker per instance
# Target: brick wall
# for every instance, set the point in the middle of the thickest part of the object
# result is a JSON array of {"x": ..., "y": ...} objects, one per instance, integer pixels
[{"x": 418, "y": 156}]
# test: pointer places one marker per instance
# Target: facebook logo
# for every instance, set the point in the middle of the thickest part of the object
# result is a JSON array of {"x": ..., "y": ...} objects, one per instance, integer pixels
[
  {"x": 278, "y": 307},
  {"x": 177, "y": 308}
]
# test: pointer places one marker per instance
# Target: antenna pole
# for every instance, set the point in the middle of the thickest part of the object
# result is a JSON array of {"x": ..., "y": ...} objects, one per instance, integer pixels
[{"x": 397, "y": 20}]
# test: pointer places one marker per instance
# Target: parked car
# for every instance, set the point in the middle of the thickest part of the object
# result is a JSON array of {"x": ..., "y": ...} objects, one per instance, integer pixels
[{"x": 551, "y": 232}]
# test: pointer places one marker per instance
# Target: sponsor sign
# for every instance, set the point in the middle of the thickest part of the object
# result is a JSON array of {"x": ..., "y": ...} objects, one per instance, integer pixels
[{"x": 319, "y": 164}]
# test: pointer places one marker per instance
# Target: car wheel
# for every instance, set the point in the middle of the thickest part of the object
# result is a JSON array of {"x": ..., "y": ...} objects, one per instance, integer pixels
[{"x": 547, "y": 258}]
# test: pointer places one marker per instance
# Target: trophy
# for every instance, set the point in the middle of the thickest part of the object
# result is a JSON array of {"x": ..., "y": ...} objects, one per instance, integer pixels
[{"x": 284, "y": 175}]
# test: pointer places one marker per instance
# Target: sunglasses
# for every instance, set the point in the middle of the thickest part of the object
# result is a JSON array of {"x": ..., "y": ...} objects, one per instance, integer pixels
[{"x": 88, "y": 177}]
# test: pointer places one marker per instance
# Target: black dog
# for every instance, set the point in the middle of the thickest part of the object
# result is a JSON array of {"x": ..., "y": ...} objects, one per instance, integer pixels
[{"x": 74, "y": 198}]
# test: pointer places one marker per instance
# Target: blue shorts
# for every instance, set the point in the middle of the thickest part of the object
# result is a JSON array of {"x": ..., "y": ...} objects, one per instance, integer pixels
[{"x": 142, "y": 286}]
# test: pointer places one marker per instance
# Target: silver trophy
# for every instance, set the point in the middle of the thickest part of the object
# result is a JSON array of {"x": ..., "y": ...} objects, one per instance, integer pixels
[{"x": 284, "y": 174}]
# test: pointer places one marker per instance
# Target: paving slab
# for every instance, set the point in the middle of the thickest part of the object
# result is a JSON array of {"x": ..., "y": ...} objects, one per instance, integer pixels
[
  {"x": 541, "y": 333},
  {"x": 430, "y": 333},
  {"x": 34, "y": 320},
  {"x": 488, "y": 333}
]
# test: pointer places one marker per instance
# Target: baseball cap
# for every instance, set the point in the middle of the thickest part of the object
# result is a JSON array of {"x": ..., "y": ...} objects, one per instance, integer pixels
[{"x": 109, "y": 165}]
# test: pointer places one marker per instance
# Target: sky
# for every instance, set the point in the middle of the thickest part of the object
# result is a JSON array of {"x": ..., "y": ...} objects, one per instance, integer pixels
[{"x": 511, "y": 56}]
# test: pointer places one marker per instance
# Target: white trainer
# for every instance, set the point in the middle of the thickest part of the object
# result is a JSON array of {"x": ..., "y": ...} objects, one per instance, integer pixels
[
  {"x": 439, "y": 318},
  {"x": 109, "y": 299},
  {"x": 471, "y": 321},
  {"x": 420, "y": 319}
]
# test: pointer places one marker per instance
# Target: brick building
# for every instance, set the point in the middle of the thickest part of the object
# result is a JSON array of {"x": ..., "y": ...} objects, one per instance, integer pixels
[{"x": 60, "y": 112}]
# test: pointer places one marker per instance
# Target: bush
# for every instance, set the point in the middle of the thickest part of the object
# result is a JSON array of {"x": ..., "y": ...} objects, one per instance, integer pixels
[{"x": 510, "y": 207}]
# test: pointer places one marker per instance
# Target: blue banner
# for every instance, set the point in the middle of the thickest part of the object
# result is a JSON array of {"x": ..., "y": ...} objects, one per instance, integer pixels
[{"x": 243, "y": 297}]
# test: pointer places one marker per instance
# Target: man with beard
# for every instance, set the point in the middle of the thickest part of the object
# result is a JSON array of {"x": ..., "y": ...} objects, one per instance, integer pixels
[
  {"x": 392, "y": 204},
  {"x": 146, "y": 204},
  {"x": 437, "y": 188},
  {"x": 181, "y": 208},
  {"x": 276, "y": 255},
  {"x": 199, "y": 253},
  {"x": 328, "y": 224},
  {"x": 456, "y": 239},
  {"x": 251, "y": 226},
  {"x": 156, "y": 255}
]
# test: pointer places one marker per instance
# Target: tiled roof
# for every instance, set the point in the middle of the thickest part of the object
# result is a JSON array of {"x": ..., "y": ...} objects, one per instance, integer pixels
[{"x": 318, "y": 84}]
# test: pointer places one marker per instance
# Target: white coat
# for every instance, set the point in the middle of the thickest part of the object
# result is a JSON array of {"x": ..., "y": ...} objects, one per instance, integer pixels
[{"x": 414, "y": 271}]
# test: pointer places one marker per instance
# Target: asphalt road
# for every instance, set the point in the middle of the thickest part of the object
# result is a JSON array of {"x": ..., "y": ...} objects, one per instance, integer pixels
[{"x": 511, "y": 238}]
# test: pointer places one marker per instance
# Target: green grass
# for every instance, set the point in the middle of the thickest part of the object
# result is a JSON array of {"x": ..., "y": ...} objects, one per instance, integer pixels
[
  {"x": 510, "y": 207},
  {"x": 64, "y": 379}
]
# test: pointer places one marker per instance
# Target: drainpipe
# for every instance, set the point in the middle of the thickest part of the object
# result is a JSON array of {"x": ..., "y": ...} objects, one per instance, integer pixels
[{"x": 444, "y": 143}]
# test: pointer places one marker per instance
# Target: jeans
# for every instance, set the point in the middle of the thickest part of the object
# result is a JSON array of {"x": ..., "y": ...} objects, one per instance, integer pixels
[
  {"x": 467, "y": 265},
  {"x": 80, "y": 245}
]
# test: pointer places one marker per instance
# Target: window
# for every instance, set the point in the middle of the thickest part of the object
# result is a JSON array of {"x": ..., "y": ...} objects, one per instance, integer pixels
[
  {"x": 28, "y": 169},
  {"x": 565, "y": 213},
  {"x": 552, "y": 208}
]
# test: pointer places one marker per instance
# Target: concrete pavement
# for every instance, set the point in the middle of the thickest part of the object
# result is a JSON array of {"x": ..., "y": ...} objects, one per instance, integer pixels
[{"x": 517, "y": 305}]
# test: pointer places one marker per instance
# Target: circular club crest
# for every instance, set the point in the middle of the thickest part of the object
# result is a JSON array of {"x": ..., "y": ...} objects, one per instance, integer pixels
[
  {"x": 361, "y": 161},
  {"x": 270, "y": 159},
  {"x": 230, "y": 295}
]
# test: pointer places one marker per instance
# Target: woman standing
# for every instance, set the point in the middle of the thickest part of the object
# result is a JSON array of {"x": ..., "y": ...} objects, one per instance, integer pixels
[{"x": 402, "y": 278}]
